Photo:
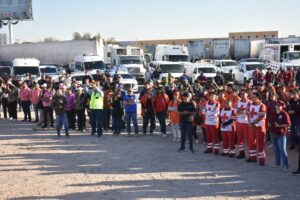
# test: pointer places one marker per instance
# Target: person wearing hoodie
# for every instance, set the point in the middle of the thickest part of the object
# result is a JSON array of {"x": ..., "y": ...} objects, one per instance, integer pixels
[{"x": 59, "y": 104}]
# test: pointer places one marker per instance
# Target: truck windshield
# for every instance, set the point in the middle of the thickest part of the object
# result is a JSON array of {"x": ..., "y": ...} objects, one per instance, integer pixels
[
  {"x": 294, "y": 56},
  {"x": 126, "y": 76},
  {"x": 48, "y": 70},
  {"x": 171, "y": 68},
  {"x": 253, "y": 67},
  {"x": 94, "y": 65},
  {"x": 4, "y": 71},
  {"x": 130, "y": 60},
  {"x": 229, "y": 63},
  {"x": 206, "y": 70},
  {"x": 178, "y": 58},
  {"x": 20, "y": 71}
]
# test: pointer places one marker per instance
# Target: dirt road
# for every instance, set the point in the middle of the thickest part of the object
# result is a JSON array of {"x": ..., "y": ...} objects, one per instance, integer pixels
[{"x": 37, "y": 165}]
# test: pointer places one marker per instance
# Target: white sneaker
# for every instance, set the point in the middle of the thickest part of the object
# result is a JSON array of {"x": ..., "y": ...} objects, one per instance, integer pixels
[
  {"x": 10, "y": 119},
  {"x": 197, "y": 141}
]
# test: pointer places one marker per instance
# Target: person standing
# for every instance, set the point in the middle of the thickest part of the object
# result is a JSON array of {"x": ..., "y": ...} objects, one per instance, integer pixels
[
  {"x": 59, "y": 104},
  {"x": 257, "y": 130},
  {"x": 25, "y": 96},
  {"x": 12, "y": 101},
  {"x": 48, "y": 111},
  {"x": 211, "y": 112},
  {"x": 186, "y": 109},
  {"x": 4, "y": 99},
  {"x": 148, "y": 111},
  {"x": 70, "y": 108},
  {"x": 175, "y": 116},
  {"x": 35, "y": 92},
  {"x": 294, "y": 112},
  {"x": 279, "y": 135},
  {"x": 117, "y": 113},
  {"x": 130, "y": 104},
  {"x": 96, "y": 109},
  {"x": 161, "y": 101},
  {"x": 228, "y": 129},
  {"x": 80, "y": 103},
  {"x": 242, "y": 123}
]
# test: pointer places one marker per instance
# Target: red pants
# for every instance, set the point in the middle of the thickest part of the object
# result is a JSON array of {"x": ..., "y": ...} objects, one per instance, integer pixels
[
  {"x": 242, "y": 136},
  {"x": 212, "y": 138},
  {"x": 228, "y": 142},
  {"x": 256, "y": 142}
]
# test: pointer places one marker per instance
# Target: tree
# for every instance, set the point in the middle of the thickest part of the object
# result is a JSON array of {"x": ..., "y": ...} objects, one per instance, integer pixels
[
  {"x": 86, "y": 36},
  {"x": 111, "y": 41},
  {"x": 50, "y": 39},
  {"x": 97, "y": 37},
  {"x": 76, "y": 36}
]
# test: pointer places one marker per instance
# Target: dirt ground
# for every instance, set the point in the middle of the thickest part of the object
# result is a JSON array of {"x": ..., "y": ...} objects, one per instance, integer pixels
[{"x": 38, "y": 165}]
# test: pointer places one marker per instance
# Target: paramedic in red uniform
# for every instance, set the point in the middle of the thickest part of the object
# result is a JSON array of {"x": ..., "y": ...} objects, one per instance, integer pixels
[
  {"x": 211, "y": 112},
  {"x": 257, "y": 130},
  {"x": 242, "y": 123}
]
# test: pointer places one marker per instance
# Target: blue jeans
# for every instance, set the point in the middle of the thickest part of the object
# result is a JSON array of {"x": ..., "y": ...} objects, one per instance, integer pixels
[
  {"x": 161, "y": 116},
  {"x": 116, "y": 124},
  {"x": 96, "y": 121},
  {"x": 36, "y": 112},
  {"x": 60, "y": 121},
  {"x": 132, "y": 116},
  {"x": 186, "y": 130},
  {"x": 280, "y": 150}
]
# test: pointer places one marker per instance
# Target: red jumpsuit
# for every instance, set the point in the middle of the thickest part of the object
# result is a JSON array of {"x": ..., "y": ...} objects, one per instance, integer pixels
[
  {"x": 211, "y": 112},
  {"x": 242, "y": 125},
  {"x": 257, "y": 134},
  {"x": 228, "y": 132}
]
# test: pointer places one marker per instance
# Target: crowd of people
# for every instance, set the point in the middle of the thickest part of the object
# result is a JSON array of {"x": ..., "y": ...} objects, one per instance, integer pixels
[{"x": 235, "y": 121}]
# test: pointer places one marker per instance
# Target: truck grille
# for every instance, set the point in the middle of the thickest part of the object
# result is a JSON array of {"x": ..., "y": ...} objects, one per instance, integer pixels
[{"x": 133, "y": 70}]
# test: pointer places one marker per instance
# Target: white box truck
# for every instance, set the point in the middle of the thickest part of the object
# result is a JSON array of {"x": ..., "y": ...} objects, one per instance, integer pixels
[{"x": 172, "y": 53}]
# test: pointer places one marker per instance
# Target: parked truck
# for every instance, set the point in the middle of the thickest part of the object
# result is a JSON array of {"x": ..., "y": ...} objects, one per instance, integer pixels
[
  {"x": 60, "y": 52},
  {"x": 172, "y": 53},
  {"x": 282, "y": 53},
  {"x": 196, "y": 50}
]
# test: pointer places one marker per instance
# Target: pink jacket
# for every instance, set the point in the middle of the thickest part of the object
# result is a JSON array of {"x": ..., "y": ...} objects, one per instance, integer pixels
[
  {"x": 25, "y": 94},
  {"x": 35, "y": 95}
]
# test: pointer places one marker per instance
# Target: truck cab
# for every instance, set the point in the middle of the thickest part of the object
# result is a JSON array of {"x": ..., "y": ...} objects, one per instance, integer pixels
[
  {"x": 175, "y": 69},
  {"x": 90, "y": 63},
  {"x": 291, "y": 57},
  {"x": 135, "y": 66},
  {"x": 246, "y": 69},
  {"x": 23, "y": 66}
]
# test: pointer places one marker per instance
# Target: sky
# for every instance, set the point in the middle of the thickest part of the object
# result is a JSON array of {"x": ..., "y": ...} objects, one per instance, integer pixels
[{"x": 157, "y": 19}]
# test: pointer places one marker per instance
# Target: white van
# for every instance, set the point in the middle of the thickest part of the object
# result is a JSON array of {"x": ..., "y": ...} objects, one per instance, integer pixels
[
  {"x": 175, "y": 69},
  {"x": 22, "y": 66},
  {"x": 208, "y": 70},
  {"x": 90, "y": 63}
]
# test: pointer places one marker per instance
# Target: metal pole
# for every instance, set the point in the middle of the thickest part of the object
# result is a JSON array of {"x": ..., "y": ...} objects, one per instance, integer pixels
[{"x": 11, "y": 33}]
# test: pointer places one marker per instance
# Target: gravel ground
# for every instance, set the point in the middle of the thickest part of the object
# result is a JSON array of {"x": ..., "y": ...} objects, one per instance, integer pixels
[{"x": 38, "y": 165}]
